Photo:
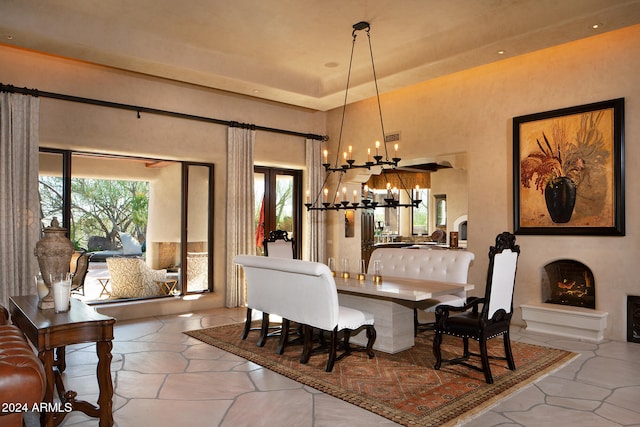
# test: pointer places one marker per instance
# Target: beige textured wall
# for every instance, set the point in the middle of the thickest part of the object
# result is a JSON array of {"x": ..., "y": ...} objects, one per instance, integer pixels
[{"x": 472, "y": 112}]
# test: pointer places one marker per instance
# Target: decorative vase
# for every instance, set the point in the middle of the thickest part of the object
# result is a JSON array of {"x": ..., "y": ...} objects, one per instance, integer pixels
[
  {"x": 54, "y": 252},
  {"x": 560, "y": 196}
]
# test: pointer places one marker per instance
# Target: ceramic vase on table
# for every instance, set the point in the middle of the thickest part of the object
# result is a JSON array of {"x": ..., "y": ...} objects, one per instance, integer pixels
[{"x": 54, "y": 253}]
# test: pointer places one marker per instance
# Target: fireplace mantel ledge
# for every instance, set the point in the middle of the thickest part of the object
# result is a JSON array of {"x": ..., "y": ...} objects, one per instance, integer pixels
[{"x": 565, "y": 321}]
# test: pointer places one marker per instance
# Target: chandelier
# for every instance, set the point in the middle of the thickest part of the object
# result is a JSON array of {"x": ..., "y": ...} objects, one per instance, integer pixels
[{"x": 338, "y": 200}]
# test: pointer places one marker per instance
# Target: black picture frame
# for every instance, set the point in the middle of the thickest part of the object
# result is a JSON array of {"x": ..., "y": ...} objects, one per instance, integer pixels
[{"x": 574, "y": 153}]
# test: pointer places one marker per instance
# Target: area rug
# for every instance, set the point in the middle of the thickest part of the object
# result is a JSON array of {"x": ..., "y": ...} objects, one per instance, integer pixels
[{"x": 402, "y": 387}]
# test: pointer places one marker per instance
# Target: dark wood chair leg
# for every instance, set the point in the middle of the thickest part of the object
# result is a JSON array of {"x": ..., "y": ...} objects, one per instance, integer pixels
[
  {"x": 465, "y": 350},
  {"x": 264, "y": 330},
  {"x": 332, "y": 350},
  {"x": 371, "y": 339},
  {"x": 415, "y": 322},
  {"x": 486, "y": 368},
  {"x": 507, "y": 351},
  {"x": 437, "y": 340},
  {"x": 307, "y": 339},
  {"x": 247, "y": 325},
  {"x": 284, "y": 336},
  {"x": 346, "y": 339}
]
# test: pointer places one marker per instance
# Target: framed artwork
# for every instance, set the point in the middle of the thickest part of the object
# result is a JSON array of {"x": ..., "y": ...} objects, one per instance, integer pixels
[{"x": 568, "y": 171}]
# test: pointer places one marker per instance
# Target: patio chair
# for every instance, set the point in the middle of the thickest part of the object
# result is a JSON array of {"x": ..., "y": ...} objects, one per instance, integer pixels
[
  {"x": 133, "y": 278},
  {"x": 79, "y": 267}
]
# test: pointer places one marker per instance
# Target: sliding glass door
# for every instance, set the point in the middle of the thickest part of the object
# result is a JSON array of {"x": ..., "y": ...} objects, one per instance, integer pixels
[{"x": 126, "y": 207}]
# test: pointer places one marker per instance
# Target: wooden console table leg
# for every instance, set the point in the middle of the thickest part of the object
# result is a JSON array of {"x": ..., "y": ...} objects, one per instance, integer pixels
[{"x": 105, "y": 399}]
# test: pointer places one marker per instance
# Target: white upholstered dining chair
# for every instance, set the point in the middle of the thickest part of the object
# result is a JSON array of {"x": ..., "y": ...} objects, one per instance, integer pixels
[{"x": 482, "y": 319}]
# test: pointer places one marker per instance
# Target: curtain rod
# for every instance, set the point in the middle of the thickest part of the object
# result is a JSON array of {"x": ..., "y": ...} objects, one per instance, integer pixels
[{"x": 139, "y": 109}]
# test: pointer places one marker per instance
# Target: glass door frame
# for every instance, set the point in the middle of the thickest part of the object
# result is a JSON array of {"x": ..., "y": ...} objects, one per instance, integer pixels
[{"x": 184, "y": 223}]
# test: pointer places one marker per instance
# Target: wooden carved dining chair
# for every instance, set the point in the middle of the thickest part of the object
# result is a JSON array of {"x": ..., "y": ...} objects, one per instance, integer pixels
[
  {"x": 490, "y": 320},
  {"x": 277, "y": 245}
]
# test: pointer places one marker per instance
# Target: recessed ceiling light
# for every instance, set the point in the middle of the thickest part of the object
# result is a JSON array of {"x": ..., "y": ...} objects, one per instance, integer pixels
[
  {"x": 9, "y": 37},
  {"x": 331, "y": 64},
  {"x": 501, "y": 52},
  {"x": 596, "y": 26},
  {"x": 256, "y": 91}
]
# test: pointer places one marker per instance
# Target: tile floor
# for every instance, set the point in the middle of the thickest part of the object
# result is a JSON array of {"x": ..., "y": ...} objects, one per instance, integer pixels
[{"x": 165, "y": 378}]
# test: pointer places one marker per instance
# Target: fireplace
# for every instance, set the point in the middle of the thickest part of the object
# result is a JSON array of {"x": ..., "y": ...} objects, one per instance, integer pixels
[
  {"x": 568, "y": 282},
  {"x": 633, "y": 318},
  {"x": 568, "y": 303}
]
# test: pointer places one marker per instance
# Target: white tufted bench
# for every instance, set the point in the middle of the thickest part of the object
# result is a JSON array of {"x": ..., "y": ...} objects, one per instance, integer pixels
[
  {"x": 433, "y": 264},
  {"x": 303, "y": 292}
]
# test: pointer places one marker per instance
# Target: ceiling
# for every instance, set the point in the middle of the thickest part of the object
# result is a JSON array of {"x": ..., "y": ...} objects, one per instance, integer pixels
[{"x": 297, "y": 51}]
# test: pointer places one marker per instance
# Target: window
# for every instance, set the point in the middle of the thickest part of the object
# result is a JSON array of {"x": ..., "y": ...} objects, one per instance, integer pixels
[
  {"x": 420, "y": 215},
  {"x": 160, "y": 211},
  {"x": 387, "y": 220},
  {"x": 277, "y": 198}
]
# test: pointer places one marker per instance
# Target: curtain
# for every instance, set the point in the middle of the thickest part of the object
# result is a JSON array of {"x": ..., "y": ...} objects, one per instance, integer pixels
[
  {"x": 315, "y": 227},
  {"x": 240, "y": 233},
  {"x": 19, "y": 201}
]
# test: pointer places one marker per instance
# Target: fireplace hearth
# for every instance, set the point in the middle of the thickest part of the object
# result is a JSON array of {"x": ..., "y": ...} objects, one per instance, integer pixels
[{"x": 568, "y": 282}]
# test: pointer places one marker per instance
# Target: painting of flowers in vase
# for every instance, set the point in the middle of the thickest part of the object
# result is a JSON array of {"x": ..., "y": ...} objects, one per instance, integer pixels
[{"x": 568, "y": 171}]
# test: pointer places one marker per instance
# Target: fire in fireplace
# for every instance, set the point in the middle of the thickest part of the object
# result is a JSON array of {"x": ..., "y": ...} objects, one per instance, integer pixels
[{"x": 568, "y": 282}]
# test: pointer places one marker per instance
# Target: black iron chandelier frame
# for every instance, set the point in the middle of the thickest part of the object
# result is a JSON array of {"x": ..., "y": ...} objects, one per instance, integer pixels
[{"x": 390, "y": 201}]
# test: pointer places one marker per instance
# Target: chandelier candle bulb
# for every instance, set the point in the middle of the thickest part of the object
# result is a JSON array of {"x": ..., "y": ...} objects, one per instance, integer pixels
[
  {"x": 395, "y": 150},
  {"x": 326, "y": 156},
  {"x": 377, "y": 148},
  {"x": 326, "y": 195},
  {"x": 355, "y": 196},
  {"x": 350, "y": 152},
  {"x": 368, "y": 155},
  {"x": 344, "y": 193},
  {"x": 308, "y": 197}
]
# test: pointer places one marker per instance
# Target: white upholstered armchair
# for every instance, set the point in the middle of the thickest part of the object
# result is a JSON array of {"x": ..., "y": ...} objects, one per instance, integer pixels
[{"x": 133, "y": 278}]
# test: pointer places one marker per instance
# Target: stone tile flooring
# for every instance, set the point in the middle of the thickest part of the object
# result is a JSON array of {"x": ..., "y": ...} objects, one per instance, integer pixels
[{"x": 165, "y": 378}]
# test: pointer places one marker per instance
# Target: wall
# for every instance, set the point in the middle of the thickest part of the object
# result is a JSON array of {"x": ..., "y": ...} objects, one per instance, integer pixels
[
  {"x": 83, "y": 127},
  {"x": 472, "y": 112}
]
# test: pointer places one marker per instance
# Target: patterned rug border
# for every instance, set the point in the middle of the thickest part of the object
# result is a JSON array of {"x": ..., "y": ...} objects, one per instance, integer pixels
[{"x": 460, "y": 410}]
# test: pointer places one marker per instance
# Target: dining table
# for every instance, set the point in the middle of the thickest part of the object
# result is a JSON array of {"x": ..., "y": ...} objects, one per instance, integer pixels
[{"x": 391, "y": 300}]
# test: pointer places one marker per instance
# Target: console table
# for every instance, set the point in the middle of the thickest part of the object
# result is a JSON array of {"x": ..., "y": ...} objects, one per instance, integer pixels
[{"x": 49, "y": 331}]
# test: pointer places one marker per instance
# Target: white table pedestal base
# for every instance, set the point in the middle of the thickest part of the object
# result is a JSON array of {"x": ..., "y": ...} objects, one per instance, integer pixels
[{"x": 394, "y": 322}]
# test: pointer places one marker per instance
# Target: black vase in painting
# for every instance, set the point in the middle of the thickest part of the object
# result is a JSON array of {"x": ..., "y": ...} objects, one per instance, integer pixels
[{"x": 560, "y": 196}]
